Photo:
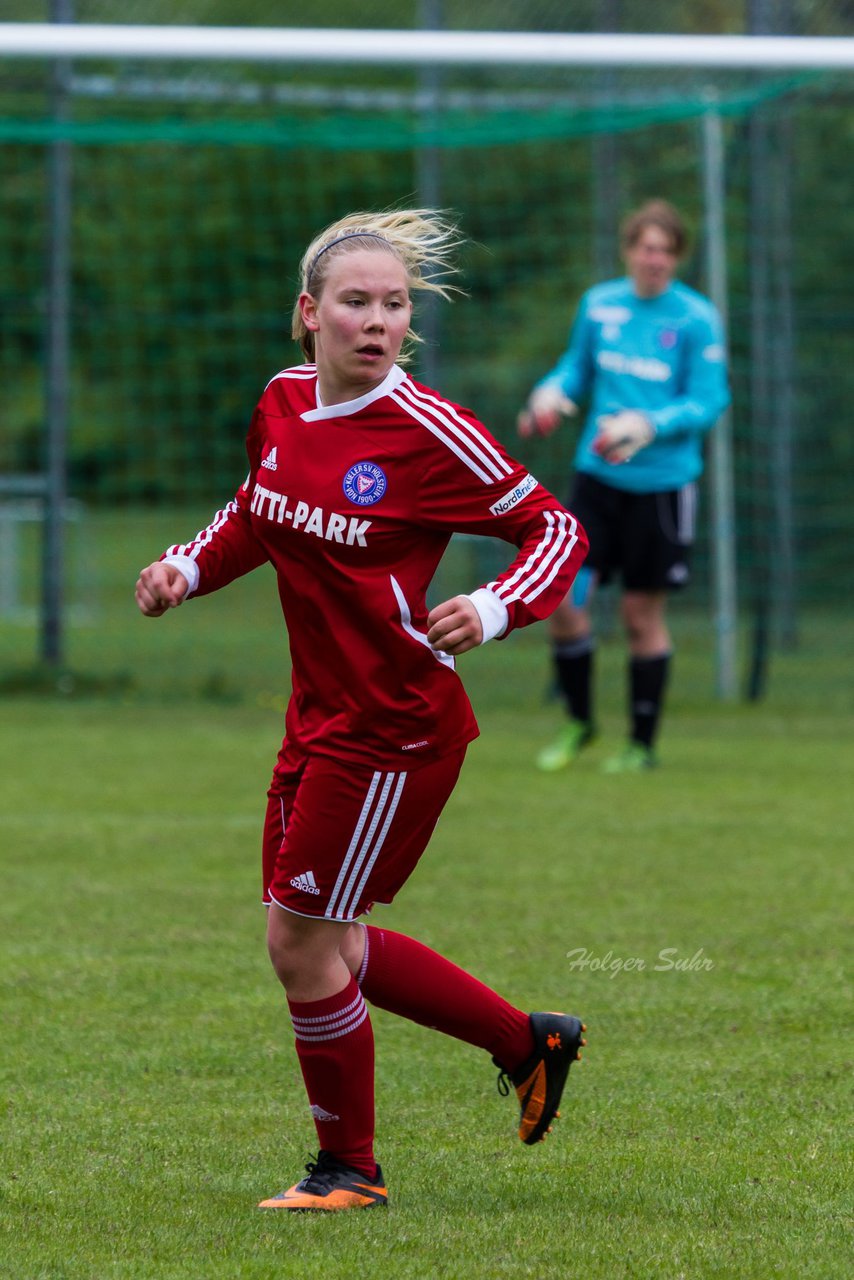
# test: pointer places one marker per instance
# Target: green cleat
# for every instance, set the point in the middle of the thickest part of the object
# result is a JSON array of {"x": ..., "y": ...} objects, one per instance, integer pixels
[
  {"x": 566, "y": 746},
  {"x": 634, "y": 758}
]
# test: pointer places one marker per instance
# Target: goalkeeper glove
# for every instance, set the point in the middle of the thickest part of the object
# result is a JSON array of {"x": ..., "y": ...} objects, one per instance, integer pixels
[
  {"x": 621, "y": 435},
  {"x": 542, "y": 414}
]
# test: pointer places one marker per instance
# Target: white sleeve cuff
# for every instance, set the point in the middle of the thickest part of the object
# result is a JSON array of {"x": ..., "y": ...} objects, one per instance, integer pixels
[
  {"x": 188, "y": 567},
  {"x": 491, "y": 611}
]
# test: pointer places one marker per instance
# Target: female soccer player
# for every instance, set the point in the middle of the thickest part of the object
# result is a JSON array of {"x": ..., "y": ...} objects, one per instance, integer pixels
[{"x": 358, "y": 476}]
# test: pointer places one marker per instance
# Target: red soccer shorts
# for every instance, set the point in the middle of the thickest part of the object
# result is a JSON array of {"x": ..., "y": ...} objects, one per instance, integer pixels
[{"x": 339, "y": 837}]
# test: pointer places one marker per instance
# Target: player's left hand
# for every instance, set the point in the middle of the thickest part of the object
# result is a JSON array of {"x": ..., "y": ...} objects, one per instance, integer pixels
[
  {"x": 621, "y": 435},
  {"x": 454, "y": 626}
]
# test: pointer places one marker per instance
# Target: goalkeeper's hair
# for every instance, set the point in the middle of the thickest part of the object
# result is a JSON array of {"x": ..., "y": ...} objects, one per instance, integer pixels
[
  {"x": 423, "y": 240},
  {"x": 655, "y": 213}
]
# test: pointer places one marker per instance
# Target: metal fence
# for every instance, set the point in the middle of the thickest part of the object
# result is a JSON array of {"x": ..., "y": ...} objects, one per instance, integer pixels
[{"x": 154, "y": 211}]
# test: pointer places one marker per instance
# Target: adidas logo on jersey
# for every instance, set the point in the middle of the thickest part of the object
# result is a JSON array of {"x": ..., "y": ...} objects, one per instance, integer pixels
[
  {"x": 306, "y": 882},
  {"x": 320, "y": 1114},
  {"x": 270, "y": 461}
]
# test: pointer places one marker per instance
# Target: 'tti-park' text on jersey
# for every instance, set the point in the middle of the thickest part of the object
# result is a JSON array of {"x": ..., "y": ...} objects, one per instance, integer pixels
[
  {"x": 663, "y": 356},
  {"x": 354, "y": 505}
]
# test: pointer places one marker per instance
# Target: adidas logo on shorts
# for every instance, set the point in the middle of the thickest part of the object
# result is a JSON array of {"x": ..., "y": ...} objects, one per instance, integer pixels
[{"x": 306, "y": 882}]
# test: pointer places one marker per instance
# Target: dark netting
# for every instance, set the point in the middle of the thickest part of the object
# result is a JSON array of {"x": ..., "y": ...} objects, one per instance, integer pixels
[{"x": 195, "y": 188}]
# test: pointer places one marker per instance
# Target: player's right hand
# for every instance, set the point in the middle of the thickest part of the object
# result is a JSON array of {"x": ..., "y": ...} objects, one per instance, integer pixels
[
  {"x": 160, "y": 587},
  {"x": 543, "y": 412}
]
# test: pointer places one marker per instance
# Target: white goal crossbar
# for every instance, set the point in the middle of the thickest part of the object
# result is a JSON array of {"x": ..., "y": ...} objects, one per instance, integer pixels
[{"x": 445, "y": 48}]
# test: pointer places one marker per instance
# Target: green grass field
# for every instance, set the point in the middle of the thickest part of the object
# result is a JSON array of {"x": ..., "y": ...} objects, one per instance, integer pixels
[{"x": 150, "y": 1089}]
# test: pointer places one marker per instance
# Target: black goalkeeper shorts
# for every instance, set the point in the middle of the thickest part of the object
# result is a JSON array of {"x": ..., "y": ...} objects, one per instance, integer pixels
[{"x": 643, "y": 538}]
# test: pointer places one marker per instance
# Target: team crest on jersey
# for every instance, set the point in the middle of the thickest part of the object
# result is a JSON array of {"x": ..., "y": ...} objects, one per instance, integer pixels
[
  {"x": 365, "y": 483},
  {"x": 668, "y": 338}
]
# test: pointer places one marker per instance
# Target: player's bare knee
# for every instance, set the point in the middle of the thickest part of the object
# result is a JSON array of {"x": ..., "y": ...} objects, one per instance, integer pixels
[
  {"x": 569, "y": 624},
  {"x": 635, "y": 632},
  {"x": 286, "y": 946}
]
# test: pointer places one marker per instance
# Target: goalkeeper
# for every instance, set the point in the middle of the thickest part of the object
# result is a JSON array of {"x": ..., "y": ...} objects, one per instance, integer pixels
[{"x": 646, "y": 355}]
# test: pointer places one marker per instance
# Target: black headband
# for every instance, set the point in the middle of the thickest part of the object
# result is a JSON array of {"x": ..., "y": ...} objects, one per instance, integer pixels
[{"x": 349, "y": 235}]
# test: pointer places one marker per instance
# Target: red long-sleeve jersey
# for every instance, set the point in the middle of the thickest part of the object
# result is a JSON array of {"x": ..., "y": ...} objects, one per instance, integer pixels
[{"x": 354, "y": 505}]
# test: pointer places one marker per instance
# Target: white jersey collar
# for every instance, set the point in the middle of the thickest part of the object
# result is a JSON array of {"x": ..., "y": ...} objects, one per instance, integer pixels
[{"x": 393, "y": 379}]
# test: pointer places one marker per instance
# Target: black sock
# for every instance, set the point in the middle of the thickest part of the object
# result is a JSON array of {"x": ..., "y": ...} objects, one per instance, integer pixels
[
  {"x": 647, "y": 683},
  {"x": 573, "y": 662}
]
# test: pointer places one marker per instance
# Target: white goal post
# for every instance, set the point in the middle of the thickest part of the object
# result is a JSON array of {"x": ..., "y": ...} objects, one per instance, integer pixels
[
  {"x": 66, "y": 42},
  {"x": 441, "y": 48}
]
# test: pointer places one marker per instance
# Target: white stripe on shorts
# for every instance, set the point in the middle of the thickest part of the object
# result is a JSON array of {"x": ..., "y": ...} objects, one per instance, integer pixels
[
  {"x": 686, "y": 513},
  {"x": 380, "y": 807}
]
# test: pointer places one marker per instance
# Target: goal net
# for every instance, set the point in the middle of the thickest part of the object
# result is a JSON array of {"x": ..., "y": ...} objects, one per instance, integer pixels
[{"x": 193, "y": 184}]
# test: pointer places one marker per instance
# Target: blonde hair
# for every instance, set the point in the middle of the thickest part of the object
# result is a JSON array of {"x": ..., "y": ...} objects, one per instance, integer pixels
[{"x": 421, "y": 239}]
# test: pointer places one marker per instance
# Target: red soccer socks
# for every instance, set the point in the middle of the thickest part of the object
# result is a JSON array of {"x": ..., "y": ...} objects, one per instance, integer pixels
[
  {"x": 407, "y": 978},
  {"x": 335, "y": 1046}
]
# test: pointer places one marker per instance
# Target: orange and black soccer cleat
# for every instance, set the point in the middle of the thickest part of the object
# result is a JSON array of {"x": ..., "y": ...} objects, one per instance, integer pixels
[
  {"x": 540, "y": 1080},
  {"x": 331, "y": 1186}
]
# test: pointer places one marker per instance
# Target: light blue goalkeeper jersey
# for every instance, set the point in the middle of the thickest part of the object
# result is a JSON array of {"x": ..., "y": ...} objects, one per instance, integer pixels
[{"x": 663, "y": 356}]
